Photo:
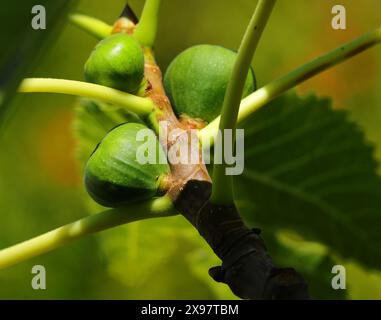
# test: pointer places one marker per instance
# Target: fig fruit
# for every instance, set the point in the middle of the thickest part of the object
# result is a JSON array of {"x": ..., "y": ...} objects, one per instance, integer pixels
[
  {"x": 113, "y": 175},
  {"x": 197, "y": 79},
  {"x": 117, "y": 62}
]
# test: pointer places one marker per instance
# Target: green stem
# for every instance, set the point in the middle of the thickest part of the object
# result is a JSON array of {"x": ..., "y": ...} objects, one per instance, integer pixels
[
  {"x": 275, "y": 88},
  {"x": 146, "y": 29},
  {"x": 159, "y": 207},
  {"x": 93, "y": 26},
  {"x": 222, "y": 192},
  {"x": 138, "y": 105}
]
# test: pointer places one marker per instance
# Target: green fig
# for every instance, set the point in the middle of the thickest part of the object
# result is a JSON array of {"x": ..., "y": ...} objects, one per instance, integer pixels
[
  {"x": 197, "y": 79},
  {"x": 117, "y": 62},
  {"x": 113, "y": 175}
]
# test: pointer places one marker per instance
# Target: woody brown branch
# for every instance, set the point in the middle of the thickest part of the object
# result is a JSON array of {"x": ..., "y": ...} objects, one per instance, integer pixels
[
  {"x": 180, "y": 173},
  {"x": 177, "y": 132},
  {"x": 246, "y": 265}
]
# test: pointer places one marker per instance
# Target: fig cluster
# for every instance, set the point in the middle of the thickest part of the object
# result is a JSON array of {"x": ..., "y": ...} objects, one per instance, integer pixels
[{"x": 195, "y": 82}]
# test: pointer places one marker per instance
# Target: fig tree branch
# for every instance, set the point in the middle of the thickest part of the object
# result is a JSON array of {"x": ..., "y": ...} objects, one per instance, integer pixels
[
  {"x": 275, "y": 88},
  {"x": 246, "y": 265},
  {"x": 140, "y": 106},
  {"x": 222, "y": 191},
  {"x": 154, "y": 208}
]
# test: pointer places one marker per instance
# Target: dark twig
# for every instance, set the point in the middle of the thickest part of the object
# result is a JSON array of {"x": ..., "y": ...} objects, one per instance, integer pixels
[{"x": 246, "y": 267}]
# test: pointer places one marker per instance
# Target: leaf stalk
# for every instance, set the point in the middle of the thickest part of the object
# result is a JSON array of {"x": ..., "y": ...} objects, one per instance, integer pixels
[
  {"x": 146, "y": 29},
  {"x": 93, "y": 26},
  {"x": 140, "y": 106},
  {"x": 159, "y": 207},
  {"x": 222, "y": 191}
]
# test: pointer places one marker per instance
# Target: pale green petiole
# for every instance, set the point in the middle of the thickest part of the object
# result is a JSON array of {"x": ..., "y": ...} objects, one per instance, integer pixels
[
  {"x": 159, "y": 207},
  {"x": 140, "y": 106},
  {"x": 275, "y": 88},
  {"x": 222, "y": 192},
  {"x": 93, "y": 26},
  {"x": 146, "y": 29}
]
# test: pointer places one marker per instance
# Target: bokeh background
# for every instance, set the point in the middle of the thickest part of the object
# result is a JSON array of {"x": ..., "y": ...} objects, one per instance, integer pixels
[{"x": 40, "y": 178}]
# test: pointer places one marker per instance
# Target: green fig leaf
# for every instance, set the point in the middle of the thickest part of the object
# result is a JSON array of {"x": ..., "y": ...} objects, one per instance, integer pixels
[{"x": 309, "y": 169}]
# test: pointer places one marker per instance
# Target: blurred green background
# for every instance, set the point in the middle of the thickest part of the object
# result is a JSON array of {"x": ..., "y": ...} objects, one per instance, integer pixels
[{"x": 40, "y": 179}]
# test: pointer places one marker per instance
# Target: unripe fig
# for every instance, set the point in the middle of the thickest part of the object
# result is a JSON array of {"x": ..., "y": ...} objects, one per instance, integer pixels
[
  {"x": 197, "y": 79},
  {"x": 113, "y": 175},
  {"x": 117, "y": 62}
]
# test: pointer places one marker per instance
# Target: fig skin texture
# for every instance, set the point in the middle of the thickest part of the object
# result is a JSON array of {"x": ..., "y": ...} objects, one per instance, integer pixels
[
  {"x": 117, "y": 62},
  {"x": 114, "y": 177},
  {"x": 196, "y": 81}
]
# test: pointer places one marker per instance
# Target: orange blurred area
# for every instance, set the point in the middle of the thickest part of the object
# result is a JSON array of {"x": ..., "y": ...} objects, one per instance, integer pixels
[
  {"x": 350, "y": 78},
  {"x": 56, "y": 149}
]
